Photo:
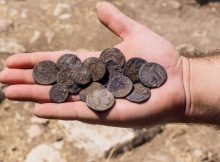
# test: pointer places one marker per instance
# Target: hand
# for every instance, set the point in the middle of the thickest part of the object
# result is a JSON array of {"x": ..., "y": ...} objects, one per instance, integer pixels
[{"x": 167, "y": 103}]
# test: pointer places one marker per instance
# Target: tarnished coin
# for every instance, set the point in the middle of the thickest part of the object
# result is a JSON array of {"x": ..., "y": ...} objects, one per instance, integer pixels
[
  {"x": 140, "y": 93},
  {"x": 152, "y": 75},
  {"x": 45, "y": 72},
  {"x": 81, "y": 75},
  {"x": 113, "y": 54},
  {"x": 100, "y": 100},
  {"x": 94, "y": 86},
  {"x": 65, "y": 77},
  {"x": 96, "y": 67},
  {"x": 113, "y": 67},
  {"x": 132, "y": 68},
  {"x": 74, "y": 89},
  {"x": 68, "y": 61},
  {"x": 120, "y": 86},
  {"x": 58, "y": 93}
]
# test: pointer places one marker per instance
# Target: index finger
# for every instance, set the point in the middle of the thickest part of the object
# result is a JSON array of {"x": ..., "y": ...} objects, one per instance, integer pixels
[{"x": 29, "y": 60}]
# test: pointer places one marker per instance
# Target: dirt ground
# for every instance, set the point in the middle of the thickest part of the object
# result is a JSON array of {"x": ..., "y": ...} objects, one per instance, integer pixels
[{"x": 45, "y": 26}]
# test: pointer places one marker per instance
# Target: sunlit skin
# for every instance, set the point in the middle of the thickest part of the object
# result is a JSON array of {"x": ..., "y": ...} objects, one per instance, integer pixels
[{"x": 167, "y": 103}]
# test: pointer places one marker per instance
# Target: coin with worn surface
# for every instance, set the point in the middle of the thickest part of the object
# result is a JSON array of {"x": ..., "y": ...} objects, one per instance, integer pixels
[
  {"x": 74, "y": 89},
  {"x": 68, "y": 61},
  {"x": 140, "y": 93},
  {"x": 65, "y": 77},
  {"x": 152, "y": 75},
  {"x": 94, "y": 86},
  {"x": 96, "y": 67},
  {"x": 113, "y": 67},
  {"x": 58, "y": 93},
  {"x": 120, "y": 86},
  {"x": 132, "y": 68},
  {"x": 113, "y": 54},
  {"x": 100, "y": 100},
  {"x": 81, "y": 75},
  {"x": 45, "y": 72}
]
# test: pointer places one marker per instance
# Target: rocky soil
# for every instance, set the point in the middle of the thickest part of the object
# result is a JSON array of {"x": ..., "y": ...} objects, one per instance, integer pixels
[{"x": 49, "y": 25}]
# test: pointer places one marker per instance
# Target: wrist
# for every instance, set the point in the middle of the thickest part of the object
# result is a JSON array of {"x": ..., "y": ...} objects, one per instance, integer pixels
[{"x": 202, "y": 89}]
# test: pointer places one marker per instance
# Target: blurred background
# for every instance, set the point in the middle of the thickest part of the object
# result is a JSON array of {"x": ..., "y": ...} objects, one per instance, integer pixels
[{"x": 50, "y": 25}]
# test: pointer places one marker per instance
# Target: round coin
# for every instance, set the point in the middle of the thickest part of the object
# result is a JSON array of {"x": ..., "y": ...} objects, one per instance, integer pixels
[
  {"x": 74, "y": 89},
  {"x": 68, "y": 61},
  {"x": 65, "y": 77},
  {"x": 45, "y": 72},
  {"x": 139, "y": 94},
  {"x": 132, "y": 68},
  {"x": 100, "y": 100},
  {"x": 120, "y": 86},
  {"x": 94, "y": 86},
  {"x": 58, "y": 93},
  {"x": 96, "y": 67},
  {"x": 81, "y": 75},
  {"x": 113, "y": 54},
  {"x": 113, "y": 67},
  {"x": 152, "y": 75}
]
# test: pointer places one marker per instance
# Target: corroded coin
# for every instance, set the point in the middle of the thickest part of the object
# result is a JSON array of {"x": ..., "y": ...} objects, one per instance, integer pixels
[
  {"x": 120, "y": 86},
  {"x": 96, "y": 67},
  {"x": 74, "y": 89},
  {"x": 45, "y": 72},
  {"x": 68, "y": 61},
  {"x": 65, "y": 77},
  {"x": 58, "y": 93},
  {"x": 113, "y": 67},
  {"x": 113, "y": 54},
  {"x": 100, "y": 100},
  {"x": 94, "y": 86},
  {"x": 140, "y": 93},
  {"x": 132, "y": 68},
  {"x": 81, "y": 75},
  {"x": 152, "y": 75}
]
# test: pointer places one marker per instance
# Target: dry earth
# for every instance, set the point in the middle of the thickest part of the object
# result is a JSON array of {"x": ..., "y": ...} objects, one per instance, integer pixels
[{"x": 49, "y": 25}]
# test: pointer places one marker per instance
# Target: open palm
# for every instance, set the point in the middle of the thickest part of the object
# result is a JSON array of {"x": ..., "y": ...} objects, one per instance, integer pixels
[{"x": 167, "y": 103}]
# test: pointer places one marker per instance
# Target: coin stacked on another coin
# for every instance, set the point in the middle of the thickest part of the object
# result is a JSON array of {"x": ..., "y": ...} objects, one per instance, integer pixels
[{"x": 98, "y": 81}]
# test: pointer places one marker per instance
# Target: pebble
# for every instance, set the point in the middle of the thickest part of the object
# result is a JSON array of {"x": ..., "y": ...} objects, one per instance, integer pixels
[
  {"x": 5, "y": 25},
  {"x": 44, "y": 153},
  {"x": 37, "y": 120},
  {"x": 65, "y": 16},
  {"x": 35, "y": 37},
  {"x": 11, "y": 47},
  {"x": 174, "y": 4},
  {"x": 2, "y": 94},
  {"x": 33, "y": 131},
  {"x": 49, "y": 36},
  {"x": 60, "y": 9}
]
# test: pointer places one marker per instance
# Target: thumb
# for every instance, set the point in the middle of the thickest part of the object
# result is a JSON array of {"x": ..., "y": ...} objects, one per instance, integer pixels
[{"x": 115, "y": 20}]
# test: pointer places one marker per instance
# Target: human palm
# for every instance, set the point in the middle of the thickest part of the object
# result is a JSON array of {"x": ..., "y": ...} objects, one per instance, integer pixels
[{"x": 167, "y": 103}]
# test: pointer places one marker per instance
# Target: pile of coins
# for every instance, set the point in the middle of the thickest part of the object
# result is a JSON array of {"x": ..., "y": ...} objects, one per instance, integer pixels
[{"x": 98, "y": 81}]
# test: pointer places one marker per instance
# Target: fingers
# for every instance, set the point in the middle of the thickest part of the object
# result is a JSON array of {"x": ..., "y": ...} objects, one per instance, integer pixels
[
  {"x": 115, "y": 20},
  {"x": 29, "y": 60},
  {"x": 76, "y": 111},
  {"x": 34, "y": 93},
  {"x": 16, "y": 76}
]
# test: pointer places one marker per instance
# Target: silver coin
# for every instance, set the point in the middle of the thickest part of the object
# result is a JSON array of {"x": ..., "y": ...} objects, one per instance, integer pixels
[{"x": 100, "y": 100}]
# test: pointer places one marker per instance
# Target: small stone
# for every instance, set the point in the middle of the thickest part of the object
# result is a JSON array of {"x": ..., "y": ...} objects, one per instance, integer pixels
[
  {"x": 61, "y": 8},
  {"x": 5, "y": 25},
  {"x": 37, "y": 120},
  {"x": 44, "y": 153},
  {"x": 49, "y": 36},
  {"x": 35, "y": 37},
  {"x": 34, "y": 131},
  {"x": 174, "y": 4},
  {"x": 11, "y": 47},
  {"x": 65, "y": 16}
]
